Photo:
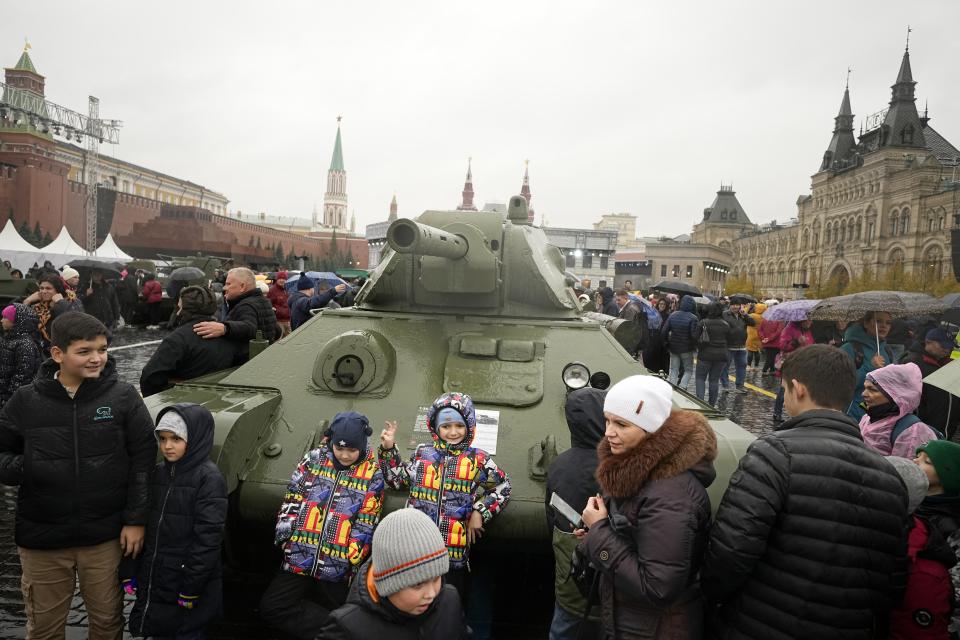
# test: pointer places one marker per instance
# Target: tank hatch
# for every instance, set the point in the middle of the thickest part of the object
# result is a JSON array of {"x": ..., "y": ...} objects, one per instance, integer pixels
[
  {"x": 501, "y": 371},
  {"x": 359, "y": 361}
]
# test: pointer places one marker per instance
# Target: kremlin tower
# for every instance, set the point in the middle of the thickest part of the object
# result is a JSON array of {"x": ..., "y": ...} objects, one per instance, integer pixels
[
  {"x": 467, "y": 203},
  {"x": 335, "y": 198}
]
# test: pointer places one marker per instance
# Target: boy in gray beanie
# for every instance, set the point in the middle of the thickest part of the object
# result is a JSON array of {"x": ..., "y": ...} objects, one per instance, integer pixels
[{"x": 400, "y": 591}]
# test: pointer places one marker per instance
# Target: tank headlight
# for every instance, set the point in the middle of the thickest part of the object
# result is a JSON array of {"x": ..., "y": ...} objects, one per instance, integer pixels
[{"x": 575, "y": 376}]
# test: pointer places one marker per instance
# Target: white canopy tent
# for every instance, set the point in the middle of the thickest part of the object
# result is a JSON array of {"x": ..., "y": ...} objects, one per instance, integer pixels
[
  {"x": 110, "y": 251},
  {"x": 18, "y": 251},
  {"x": 63, "y": 244}
]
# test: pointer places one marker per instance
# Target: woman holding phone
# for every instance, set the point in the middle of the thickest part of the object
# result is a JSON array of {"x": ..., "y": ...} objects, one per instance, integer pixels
[{"x": 646, "y": 533}]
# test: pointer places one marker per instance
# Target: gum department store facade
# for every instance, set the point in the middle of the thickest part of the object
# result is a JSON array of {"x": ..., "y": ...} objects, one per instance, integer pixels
[{"x": 889, "y": 198}]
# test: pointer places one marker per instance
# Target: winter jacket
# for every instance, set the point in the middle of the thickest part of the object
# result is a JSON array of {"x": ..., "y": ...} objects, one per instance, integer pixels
[
  {"x": 127, "y": 290},
  {"x": 793, "y": 337},
  {"x": 181, "y": 553},
  {"x": 102, "y": 304},
  {"x": 938, "y": 408},
  {"x": 152, "y": 292},
  {"x": 902, "y": 382},
  {"x": 184, "y": 355},
  {"x": 48, "y": 312},
  {"x": 648, "y": 552},
  {"x": 682, "y": 327},
  {"x": 571, "y": 476},
  {"x": 609, "y": 304},
  {"x": 810, "y": 539},
  {"x": 857, "y": 341},
  {"x": 737, "y": 338},
  {"x": 449, "y": 482},
  {"x": 769, "y": 333},
  {"x": 19, "y": 354},
  {"x": 924, "y": 611},
  {"x": 753, "y": 338},
  {"x": 368, "y": 615},
  {"x": 301, "y": 304},
  {"x": 82, "y": 463},
  {"x": 245, "y": 316},
  {"x": 277, "y": 296},
  {"x": 326, "y": 522},
  {"x": 716, "y": 349},
  {"x": 941, "y": 513}
]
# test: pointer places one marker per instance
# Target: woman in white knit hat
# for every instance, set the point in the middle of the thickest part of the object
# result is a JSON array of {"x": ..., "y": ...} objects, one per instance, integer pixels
[{"x": 646, "y": 534}]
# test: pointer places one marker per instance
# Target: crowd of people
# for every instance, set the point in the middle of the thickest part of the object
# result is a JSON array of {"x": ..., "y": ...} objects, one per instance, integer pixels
[{"x": 844, "y": 522}]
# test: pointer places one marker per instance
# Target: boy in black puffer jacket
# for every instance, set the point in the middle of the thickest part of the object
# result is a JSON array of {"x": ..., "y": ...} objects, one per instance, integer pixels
[{"x": 178, "y": 583}]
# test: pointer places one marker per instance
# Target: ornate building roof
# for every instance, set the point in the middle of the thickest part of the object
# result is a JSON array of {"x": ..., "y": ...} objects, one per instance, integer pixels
[{"x": 726, "y": 209}]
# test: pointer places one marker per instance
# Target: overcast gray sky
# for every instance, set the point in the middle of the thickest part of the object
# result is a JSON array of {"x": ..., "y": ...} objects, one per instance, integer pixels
[{"x": 620, "y": 106}]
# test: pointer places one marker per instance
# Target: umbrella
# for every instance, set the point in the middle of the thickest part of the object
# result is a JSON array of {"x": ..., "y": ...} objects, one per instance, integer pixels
[
  {"x": 946, "y": 377},
  {"x": 675, "y": 286},
  {"x": 952, "y": 301},
  {"x": 792, "y": 311},
  {"x": 854, "y": 306},
  {"x": 110, "y": 270},
  {"x": 186, "y": 274},
  {"x": 702, "y": 300},
  {"x": 742, "y": 298},
  {"x": 771, "y": 302},
  {"x": 317, "y": 276}
]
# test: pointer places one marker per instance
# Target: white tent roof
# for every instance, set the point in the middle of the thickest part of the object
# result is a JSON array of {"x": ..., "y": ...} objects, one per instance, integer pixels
[
  {"x": 63, "y": 245},
  {"x": 111, "y": 251},
  {"x": 11, "y": 240}
]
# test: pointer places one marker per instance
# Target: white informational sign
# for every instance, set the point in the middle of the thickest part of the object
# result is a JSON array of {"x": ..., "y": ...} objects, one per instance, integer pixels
[{"x": 488, "y": 429}]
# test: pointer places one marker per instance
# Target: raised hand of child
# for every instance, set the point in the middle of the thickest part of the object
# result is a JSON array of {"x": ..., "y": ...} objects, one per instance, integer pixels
[
  {"x": 388, "y": 437},
  {"x": 474, "y": 527}
]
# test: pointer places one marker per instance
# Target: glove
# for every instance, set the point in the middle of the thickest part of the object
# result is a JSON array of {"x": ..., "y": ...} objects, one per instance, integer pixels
[
  {"x": 129, "y": 586},
  {"x": 187, "y": 602}
]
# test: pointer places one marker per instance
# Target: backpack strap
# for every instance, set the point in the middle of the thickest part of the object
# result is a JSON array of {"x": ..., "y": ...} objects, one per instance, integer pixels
[{"x": 905, "y": 423}]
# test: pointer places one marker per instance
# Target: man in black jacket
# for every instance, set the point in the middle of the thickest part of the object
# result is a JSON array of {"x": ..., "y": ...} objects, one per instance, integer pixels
[
  {"x": 248, "y": 311},
  {"x": 571, "y": 476},
  {"x": 810, "y": 539},
  {"x": 80, "y": 445},
  {"x": 183, "y": 354}
]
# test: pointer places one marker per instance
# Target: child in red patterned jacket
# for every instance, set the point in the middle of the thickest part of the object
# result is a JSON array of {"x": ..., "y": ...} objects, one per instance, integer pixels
[
  {"x": 459, "y": 486},
  {"x": 325, "y": 527}
]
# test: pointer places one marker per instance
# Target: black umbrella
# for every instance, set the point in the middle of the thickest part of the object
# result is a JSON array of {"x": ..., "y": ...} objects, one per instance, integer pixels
[
  {"x": 187, "y": 274},
  {"x": 742, "y": 298},
  {"x": 110, "y": 270},
  {"x": 677, "y": 287}
]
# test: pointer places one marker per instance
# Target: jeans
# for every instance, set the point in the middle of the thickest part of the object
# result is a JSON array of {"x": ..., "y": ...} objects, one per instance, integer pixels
[
  {"x": 298, "y": 605},
  {"x": 712, "y": 370},
  {"x": 778, "y": 404},
  {"x": 566, "y": 625},
  {"x": 770, "y": 359},
  {"x": 739, "y": 359},
  {"x": 686, "y": 360}
]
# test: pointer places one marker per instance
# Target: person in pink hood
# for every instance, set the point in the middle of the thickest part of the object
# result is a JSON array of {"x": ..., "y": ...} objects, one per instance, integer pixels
[{"x": 890, "y": 396}]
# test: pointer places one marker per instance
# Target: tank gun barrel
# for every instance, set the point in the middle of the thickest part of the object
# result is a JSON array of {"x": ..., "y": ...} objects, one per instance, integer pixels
[{"x": 408, "y": 236}]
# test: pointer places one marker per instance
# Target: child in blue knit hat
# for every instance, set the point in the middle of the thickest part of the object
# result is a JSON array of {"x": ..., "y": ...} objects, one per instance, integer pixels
[{"x": 459, "y": 486}]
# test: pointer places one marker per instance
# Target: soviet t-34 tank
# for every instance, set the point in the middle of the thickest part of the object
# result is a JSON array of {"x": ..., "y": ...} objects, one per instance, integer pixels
[{"x": 463, "y": 301}]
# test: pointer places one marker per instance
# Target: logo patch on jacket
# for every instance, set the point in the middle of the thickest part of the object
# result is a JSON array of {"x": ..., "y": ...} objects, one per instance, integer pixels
[{"x": 103, "y": 413}]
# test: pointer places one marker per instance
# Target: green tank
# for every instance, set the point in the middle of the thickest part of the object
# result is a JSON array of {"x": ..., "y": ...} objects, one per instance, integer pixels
[{"x": 463, "y": 301}]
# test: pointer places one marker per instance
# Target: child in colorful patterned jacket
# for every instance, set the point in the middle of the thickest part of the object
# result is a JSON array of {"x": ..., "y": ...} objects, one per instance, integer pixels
[
  {"x": 325, "y": 527},
  {"x": 459, "y": 486}
]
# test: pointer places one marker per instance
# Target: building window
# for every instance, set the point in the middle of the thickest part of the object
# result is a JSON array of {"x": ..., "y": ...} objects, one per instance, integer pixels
[
  {"x": 733, "y": 215},
  {"x": 663, "y": 271},
  {"x": 571, "y": 260},
  {"x": 604, "y": 262},
  {"x": 602, "y": 284},
  {"x": 689, "y": 270},
  {"x": 587, "y": 260},
  {"x": 676, "y": 271},
  {"x": 723, "y": 215}
]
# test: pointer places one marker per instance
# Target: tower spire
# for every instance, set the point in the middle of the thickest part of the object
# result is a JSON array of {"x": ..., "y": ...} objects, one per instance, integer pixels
[
  {"x": 467, "y": 203},
  {"x": 525, "y": 190},
  {"x": 393, "y": 209},
  {"x": 902, "y": 126},
  {"x": 842, "y": 143},
  {"x": 335, "y": 198}
]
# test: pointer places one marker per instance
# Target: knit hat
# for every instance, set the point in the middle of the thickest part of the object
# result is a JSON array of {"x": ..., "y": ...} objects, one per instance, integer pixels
[
  {"x": 198, "y": 300},
  {"x": 939, "y": 335},
  {"x": 945, "y": 457},
  {"x": 914, "y": 479},
  {"x": 10, "y": 313},
  {"x": 645, "y": 401},
  {"x": 407, "y": 549},
  {"x": 281, "y": 275},
  {"x": 173, "y": 422},
  {"x": 303, "y": 283},
  {"x": 349, "y": 429},
  {"x": 69, "y": 272},
  {"x": 448, "y": 415}
]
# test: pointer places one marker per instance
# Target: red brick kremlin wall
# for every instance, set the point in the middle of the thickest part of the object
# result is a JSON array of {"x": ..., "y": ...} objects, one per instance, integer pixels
[{"x": 34, "y": 187}]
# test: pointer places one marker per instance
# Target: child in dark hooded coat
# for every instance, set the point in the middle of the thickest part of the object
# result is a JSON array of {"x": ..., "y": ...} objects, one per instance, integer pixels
[
  {"x": 178, "y": 582},
  {"x": 19, "y": 351}
]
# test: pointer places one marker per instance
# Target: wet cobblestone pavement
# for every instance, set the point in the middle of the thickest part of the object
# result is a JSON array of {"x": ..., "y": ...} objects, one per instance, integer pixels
[{"x": 752, "y": 410}]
